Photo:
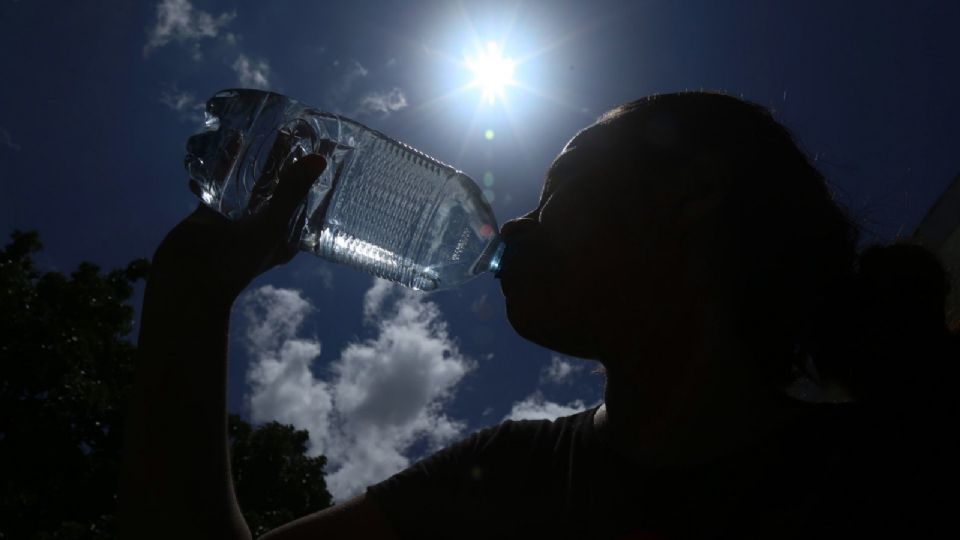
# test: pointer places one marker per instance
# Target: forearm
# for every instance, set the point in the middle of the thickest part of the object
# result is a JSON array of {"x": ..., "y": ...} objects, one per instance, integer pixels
[{"x": 176, "y": 473}]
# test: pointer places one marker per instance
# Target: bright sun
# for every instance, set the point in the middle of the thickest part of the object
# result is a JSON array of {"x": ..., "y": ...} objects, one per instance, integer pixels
[{"x": 492, "y": 71}]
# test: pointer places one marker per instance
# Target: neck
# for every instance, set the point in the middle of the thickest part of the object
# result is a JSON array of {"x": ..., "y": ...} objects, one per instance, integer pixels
[
  {"x": 687, "y": 401},
  {"x": 660, "y": 430}
]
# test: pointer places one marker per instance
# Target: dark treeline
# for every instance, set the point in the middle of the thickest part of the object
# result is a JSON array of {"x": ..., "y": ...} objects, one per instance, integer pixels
[{"x": 66, "y": 371}]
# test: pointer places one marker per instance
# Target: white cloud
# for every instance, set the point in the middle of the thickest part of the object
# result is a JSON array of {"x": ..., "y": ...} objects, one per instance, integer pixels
[
  {"x": 383, "y": 102},
  {"x": 535, "y": 407},
  {"x": 341, "y": 93},
  {"x": 374, "y": 297},
  {"x": 275, "y": 315},
  {"x": 375, "y": 401},
  {"x": 184, "y": 103},
  {"x": 561, "y": 370},
  {"x": 177, "y": 20},
  {"x": 285, "y": 390},
  {"x": 252, "y": 74},
  {"x": 7, "y": 140},
  {"x": 351, "y": 93},
  {"x": 355, "y": 71},
  {"x": 180, "y": 101}
]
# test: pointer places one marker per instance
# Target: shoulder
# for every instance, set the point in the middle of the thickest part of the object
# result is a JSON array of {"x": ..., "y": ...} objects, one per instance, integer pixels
[
  {"x": 543, "y": 430},
  {"x": 508, "y": 444},
  {"x": 482, "y": 480},
  {"x": 359, "y": 517}
]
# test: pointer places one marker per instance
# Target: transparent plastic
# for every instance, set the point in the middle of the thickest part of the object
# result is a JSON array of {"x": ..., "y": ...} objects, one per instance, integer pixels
[{"x": 380, "y": 205}]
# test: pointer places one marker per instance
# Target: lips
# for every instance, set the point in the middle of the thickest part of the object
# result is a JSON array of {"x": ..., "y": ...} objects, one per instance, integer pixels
[{"x": 507, "y": 260}]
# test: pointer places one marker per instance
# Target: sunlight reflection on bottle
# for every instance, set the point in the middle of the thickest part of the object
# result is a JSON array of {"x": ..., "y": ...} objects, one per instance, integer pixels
[{"x": 344, "y": 248}]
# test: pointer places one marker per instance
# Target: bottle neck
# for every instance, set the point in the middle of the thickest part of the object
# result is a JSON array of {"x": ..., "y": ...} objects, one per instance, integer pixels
[{"x": 490, "y": 260}]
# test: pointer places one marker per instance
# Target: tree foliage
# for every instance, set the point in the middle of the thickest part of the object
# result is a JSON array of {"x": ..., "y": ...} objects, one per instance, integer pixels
[
  {"x": 275, "y": 481},
  {"x": 66, "y": 371}
]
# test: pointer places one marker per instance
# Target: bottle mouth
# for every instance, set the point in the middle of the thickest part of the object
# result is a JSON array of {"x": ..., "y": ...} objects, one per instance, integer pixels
[{"x": 494, "y": 264}]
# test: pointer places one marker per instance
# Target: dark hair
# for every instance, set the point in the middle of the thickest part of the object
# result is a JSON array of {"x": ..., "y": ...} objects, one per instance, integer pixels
[
  {"x": 799, "y": 280},
  {"x": 885, "y": 336}
]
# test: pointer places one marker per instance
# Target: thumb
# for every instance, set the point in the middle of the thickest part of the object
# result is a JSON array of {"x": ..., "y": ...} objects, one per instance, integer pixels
[{"x": 293, "y": 185}]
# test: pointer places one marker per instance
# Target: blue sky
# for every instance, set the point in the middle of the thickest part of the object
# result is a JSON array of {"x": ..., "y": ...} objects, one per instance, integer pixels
[{"x": 99, "y": 97}]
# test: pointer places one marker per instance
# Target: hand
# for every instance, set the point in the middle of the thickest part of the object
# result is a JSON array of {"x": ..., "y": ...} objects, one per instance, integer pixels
[{"x": 216, "y": 258}]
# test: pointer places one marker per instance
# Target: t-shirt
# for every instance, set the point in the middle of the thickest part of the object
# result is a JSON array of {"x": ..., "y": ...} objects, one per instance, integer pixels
[{"x": 560, "y": 479}]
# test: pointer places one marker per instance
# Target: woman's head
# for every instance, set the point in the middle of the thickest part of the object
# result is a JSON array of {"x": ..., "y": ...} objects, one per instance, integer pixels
[{"x": 667, "y": 204}]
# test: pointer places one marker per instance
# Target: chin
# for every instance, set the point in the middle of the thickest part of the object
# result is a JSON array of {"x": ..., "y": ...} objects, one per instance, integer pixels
[{"x": 565, "y": 337}]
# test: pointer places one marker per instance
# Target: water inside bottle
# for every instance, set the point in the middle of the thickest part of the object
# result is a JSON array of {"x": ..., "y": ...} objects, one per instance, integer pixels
[
  {"x": 400, "y": 217},
  {"x": 380, "y": 205}
]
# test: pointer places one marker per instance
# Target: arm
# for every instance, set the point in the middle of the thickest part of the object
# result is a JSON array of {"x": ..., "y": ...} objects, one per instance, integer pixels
[
  {"x": 175, "y": 477},
  {"x": 176, "y": 474}
]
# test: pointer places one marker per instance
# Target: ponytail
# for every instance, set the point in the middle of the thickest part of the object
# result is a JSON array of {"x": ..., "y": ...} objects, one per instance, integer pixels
[{"x": 881, "y": 331}]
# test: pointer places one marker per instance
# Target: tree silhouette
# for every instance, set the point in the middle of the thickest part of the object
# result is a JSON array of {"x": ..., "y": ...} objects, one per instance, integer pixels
[
  {"x": 66, "y": 371},
  {"x": 275, "y": 481}
]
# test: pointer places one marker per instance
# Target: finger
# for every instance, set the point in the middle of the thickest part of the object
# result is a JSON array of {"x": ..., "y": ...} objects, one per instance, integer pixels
[
  {"x": 205, "y": 214},
  {"x": 292, "y": 188},
  {"x": 291, "y": 192},
  {"x": 279, "y": 153},
  {"x": 266, "y": 184}
]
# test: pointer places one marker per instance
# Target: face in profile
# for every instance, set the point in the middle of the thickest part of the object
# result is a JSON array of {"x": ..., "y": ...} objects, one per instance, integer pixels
[
  {"x": 543, "y": 268},
  {"x": 571, "y": 277},
  {"x": 610, "y": 249}
]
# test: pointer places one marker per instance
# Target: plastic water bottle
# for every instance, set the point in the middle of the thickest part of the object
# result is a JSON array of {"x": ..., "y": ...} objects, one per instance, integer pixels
[{"x": 380, "y": 205}]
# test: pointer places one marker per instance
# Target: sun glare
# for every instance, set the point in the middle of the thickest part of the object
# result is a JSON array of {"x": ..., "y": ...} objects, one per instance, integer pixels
[
  {"x": 499, "y": 60},
  {"x": 492, "y": 72}
]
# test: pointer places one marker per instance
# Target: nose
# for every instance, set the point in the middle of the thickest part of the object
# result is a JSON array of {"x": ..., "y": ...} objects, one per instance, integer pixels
[{"x": 516, "y": 227}]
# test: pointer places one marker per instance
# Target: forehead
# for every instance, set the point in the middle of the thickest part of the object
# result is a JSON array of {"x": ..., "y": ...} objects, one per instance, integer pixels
[
  {"x": 588, "y": 138},
  {"x": 585, "y": 150},
  {"x": 577, "y": 150}
]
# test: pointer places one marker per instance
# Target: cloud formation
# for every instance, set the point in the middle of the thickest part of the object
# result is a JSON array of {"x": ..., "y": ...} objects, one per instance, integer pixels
[
  {"x": 252, "y": 74},
  {"x": 383, "y": 103},
  {"x": 375, "y": 401},
  {"x": 346, "y": 80},
  {"x": 374, "y": 298},
  {"x": 349, "y": 92},
  {"x": 177, "y": 20},
  {"x": 561, "y": 370},
  {"x": 536, "y": 407},
  {"x": 184, "y": 103}
]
